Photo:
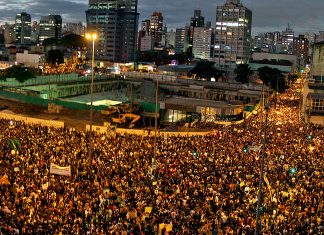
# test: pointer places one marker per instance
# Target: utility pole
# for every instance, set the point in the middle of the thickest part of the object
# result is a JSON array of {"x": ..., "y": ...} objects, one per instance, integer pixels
[{"x": 261, "y": 172}]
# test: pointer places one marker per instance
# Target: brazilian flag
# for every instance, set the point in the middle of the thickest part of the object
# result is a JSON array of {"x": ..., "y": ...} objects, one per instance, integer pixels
[{"x": 14, "y": 144}]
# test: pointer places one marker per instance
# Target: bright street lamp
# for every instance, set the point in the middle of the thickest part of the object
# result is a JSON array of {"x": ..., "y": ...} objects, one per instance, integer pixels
[{"x": 92, "y": 37}]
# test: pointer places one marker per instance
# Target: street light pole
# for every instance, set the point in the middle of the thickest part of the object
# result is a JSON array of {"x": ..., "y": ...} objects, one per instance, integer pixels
[
  {"x": 91, "y": 37},
  {"x": 155, "y": 126},
  {"x": 261, "y": 172}
]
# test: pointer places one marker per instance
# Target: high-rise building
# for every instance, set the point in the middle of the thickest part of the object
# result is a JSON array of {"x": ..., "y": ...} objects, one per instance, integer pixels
[
  {"x": 319, "y": 37},
  {"x": 50, "y": 27},
  {"x": 156, "y": 27},
  {"x": 146, "y": 26},
  {"x": 276, "y": 41},
  {"x": 23, "y": 28},
  {"x": 233, "y": 35},
  {"x": 287, "y": 40},
  {"x": 202, "y": 43},
  {"x": 75, "y": 28},
  {"x": 34, "y": 31},
  {"x": 196, "y": 21},
  {"x": 313, "y": 98},
  {"x": 267, "y": 42},
  {"x": 181, "y": 40},
  {"x": 146, "y": 43},
  {"x": 9, "y": 33},
  {"x": 301, "y": 49},
  {"x": 170, "y": 38},
  {"x": 116, "y": 23},
  {"x": 311, "y": 38}
]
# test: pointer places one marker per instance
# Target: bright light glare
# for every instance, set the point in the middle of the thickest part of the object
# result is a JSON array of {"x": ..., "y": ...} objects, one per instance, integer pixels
[{"x": 91, "y": 36}]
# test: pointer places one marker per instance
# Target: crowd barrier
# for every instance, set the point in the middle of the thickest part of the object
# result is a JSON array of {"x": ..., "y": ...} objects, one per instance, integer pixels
[
  {"x": 30, "y": 120},
  {"x": 142, "y": 132}
]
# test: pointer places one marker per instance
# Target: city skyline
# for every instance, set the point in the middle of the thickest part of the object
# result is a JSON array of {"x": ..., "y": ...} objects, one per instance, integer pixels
[{"x": 275, "y": 18}]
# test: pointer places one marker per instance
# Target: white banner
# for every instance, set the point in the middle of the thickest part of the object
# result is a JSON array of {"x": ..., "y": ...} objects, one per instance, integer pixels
[{"x": 59, "y": 170}]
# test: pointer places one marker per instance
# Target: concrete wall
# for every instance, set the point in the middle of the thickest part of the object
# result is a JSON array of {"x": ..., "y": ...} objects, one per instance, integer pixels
[
  {"x": 273, "y": 56},
  {"x": 282, "y": 68},
  {"x": 318, "y": 60},
  {"x": 317, "y": 120},
  {"x": 30, "y": 60},
  {"x": 105, "y": 129},
  {"x": 29, "y": 120}
]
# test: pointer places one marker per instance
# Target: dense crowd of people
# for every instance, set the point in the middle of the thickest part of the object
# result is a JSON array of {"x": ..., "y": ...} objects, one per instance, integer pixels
[{"x": 201, "y": 184}]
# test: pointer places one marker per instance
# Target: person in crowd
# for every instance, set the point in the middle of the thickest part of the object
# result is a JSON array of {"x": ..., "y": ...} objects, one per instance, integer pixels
[{"x": 201, "y": 185}]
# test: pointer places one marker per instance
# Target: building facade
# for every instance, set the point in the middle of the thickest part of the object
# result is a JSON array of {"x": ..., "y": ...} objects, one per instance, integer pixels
[
  {"x": 30, "y": 59},
  {"x": 233, "y": 35},
  {"x": 146, "y": 43},
  {"x": 181, "y": 40},
  {"x": 116, "y": 23},
  {"x": 75, "y": 28},
  {"x": 170, "y": 38},
  {"x": 23, "y": 28},
  {"x": 156, "y": 27},
  {"x": 202, "y": 43},
  {"x": 196, "y": 21},
  {"x": 319, "y": 37},
  {"x": 9, "y": 33},
  {"x": 50, "y": 27},
  {"x": 313, "y": 100},
  {"x": 287, "y": 40},
  {"x": 301, "y": 50}
]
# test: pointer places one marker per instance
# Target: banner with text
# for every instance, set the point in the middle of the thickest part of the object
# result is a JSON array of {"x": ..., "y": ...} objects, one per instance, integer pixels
[{"x": 59, "y": 170}]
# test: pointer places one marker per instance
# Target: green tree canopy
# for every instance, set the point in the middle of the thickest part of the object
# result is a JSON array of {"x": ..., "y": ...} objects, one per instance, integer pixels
[
  {"x": 205, "y": 70},
  {"x": 20, "y": 73},
  {"x": 73, "y": 41},
  {"x": 55, "y": 57},
  {"x": 292, "y": 77},
  {"x": 50, "y": 42},
  {"x": 243, "y": 73},
  {"x": 272, "y": 77}
]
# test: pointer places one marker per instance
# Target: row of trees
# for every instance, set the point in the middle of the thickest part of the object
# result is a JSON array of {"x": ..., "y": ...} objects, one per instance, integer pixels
[
  {"x": 269, "y": 76},
  {"x": 19, "y": 72},
  {"x": 205, "y": 70}
]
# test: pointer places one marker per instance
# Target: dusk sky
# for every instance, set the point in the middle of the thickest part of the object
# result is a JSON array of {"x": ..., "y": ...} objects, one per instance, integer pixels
[{"x": 268, "y": 15}]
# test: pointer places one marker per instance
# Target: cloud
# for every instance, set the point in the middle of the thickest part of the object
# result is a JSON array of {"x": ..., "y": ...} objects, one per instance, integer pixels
[
  {"x": 268, "y": 15},
  {"x": 71, "y": 10}
]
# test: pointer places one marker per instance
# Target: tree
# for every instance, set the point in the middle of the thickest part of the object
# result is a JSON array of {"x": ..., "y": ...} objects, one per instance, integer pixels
[
  {"x": 49, "y": 42},
  {"x": 272, "y": 77},
  {"x": 292, "y": 78},
  {"x": 20, "y": 73},
  {"x": 243, "y": 73},
  {"x": 205, "y": 70},
  {"x": 2, "y": 39},
  {"x": 55, "y": 57},
  {"x": 73, "y": 41}
]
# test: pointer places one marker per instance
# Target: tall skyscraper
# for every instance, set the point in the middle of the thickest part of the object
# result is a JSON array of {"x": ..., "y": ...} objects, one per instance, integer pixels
[
  {"x": 170, "y": 38},
  {"x": 23, "y": 28},
  {"x": 196, "y": 21},
  {"x": 146, "y": 26},
  {"x": 116, "y": 23},
  {"x": 233, "y": 35},
  {"x": 301, "y": 49},
  {"x": 287, "y": 40},
  {"x": 50, "y": 27},
  {"x": 9, "y": 33},
  {"x": 181, "y": 40},
  {"x": 202, "y": 37},
  {"x": 34, "y": 31},
  {"x": 156, "y": 27}
]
